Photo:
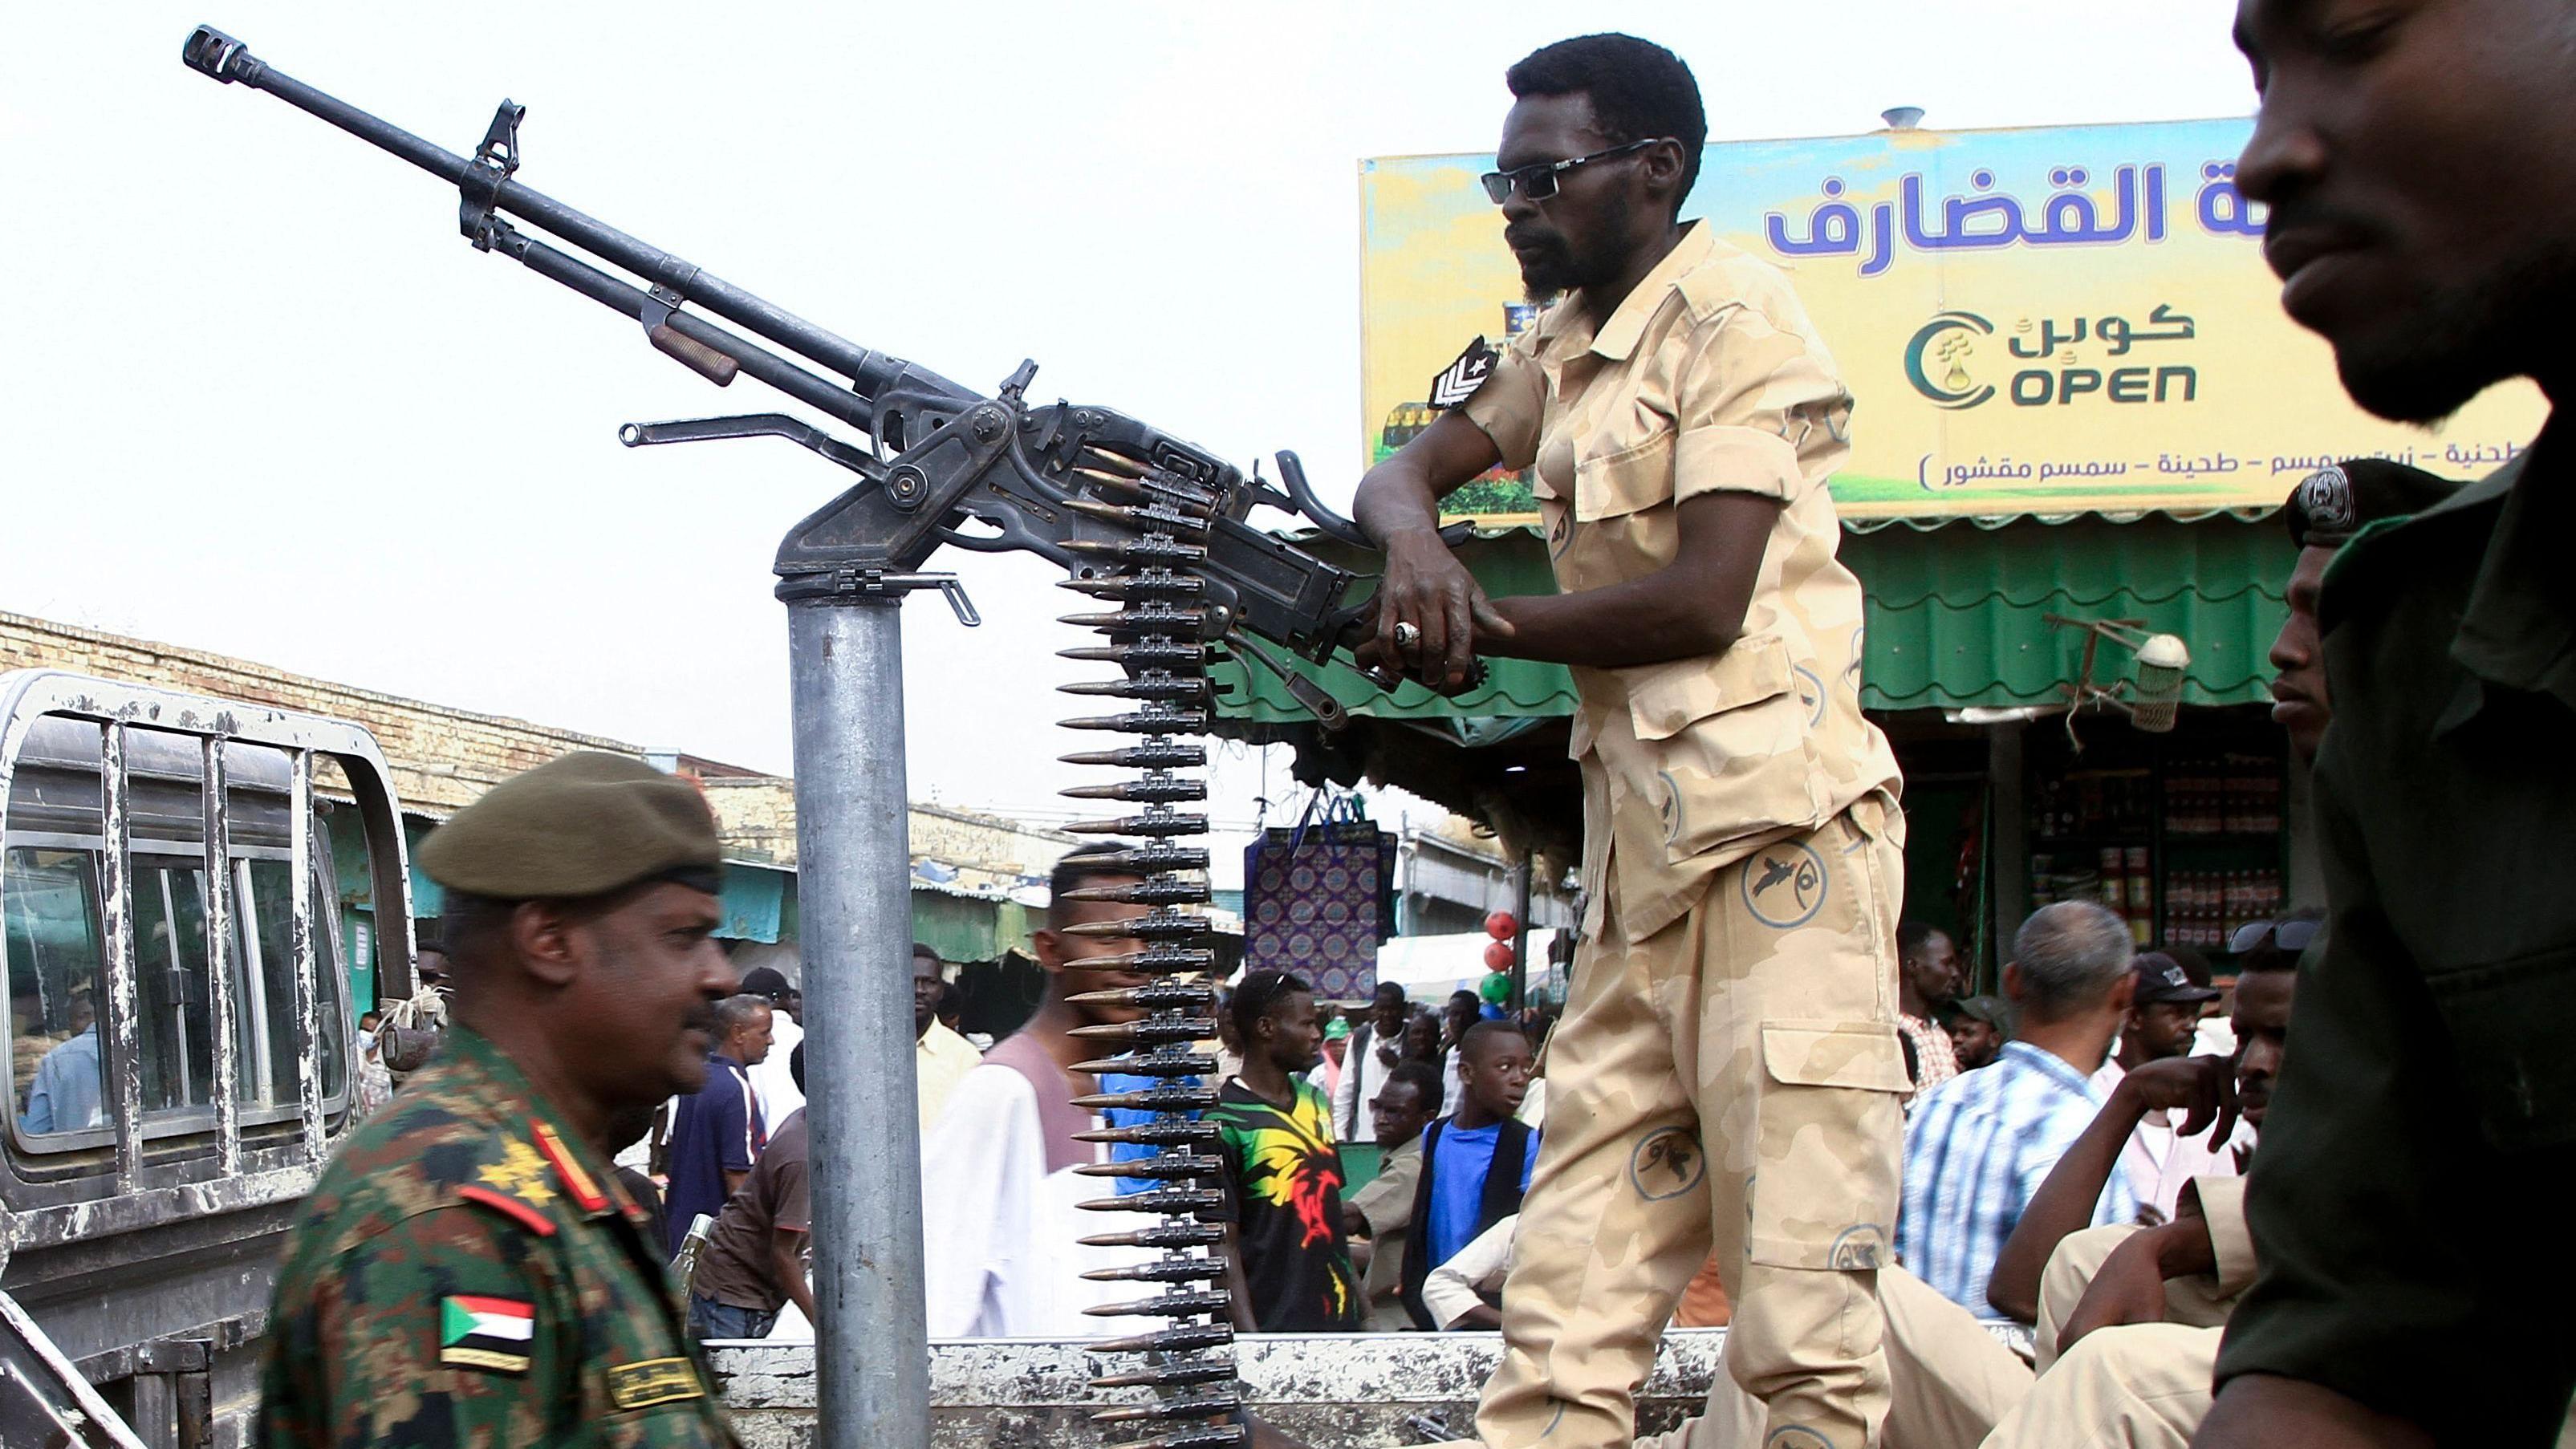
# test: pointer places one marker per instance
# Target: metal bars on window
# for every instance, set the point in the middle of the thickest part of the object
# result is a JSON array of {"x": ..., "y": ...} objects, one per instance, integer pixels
[
  {"x": 222, "y": 1008},
  {"x": 119, "y": 1031},
  {"x": 300, "y": 944}
]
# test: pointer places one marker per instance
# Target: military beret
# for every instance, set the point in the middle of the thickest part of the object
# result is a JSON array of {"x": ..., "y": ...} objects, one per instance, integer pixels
[
  {"x": 2332, "y": 504},
  {"x": 582, "y": 825}
]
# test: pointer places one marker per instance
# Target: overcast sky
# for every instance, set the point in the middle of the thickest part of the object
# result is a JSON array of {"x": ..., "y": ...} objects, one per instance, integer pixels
[{"x": 264, "y": 400}]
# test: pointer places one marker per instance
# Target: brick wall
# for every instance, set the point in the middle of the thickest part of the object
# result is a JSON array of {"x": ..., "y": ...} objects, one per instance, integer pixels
[{"x": 441, "y": 758}]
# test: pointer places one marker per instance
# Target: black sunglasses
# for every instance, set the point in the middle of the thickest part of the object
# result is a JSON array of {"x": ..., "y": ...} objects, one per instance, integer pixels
[
  {"x": 1538, "y": 183},
  {"x": 2290, "y": 936}
]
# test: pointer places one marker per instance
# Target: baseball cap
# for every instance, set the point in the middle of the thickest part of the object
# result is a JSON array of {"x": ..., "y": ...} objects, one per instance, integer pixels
[
  {"x": 766, "y": 981},
  {"x": 1994, "y": 1011},
  {"x": 2161, "y": 978},
  {"x": 1337, "y": 1029}
]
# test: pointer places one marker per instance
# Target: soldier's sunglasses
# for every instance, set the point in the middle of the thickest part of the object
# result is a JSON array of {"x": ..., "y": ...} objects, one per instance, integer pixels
[{"x": 1538, "y": 183}]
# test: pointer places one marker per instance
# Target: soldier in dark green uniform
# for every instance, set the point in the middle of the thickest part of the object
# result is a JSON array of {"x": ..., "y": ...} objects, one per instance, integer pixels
[
  {"x": 469, "y": 1271},
  {"x": 2419, "y": 162}
]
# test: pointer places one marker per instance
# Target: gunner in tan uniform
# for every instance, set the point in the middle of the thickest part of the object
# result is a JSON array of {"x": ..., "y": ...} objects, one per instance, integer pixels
[{"x": 1727, "y": 1073}]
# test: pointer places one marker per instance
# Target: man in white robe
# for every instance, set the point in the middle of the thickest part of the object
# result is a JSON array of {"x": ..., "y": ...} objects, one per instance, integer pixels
[{"x": 1002, "y": 1211}]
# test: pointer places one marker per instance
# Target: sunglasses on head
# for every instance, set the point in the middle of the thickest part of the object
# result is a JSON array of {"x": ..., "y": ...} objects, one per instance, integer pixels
[
  {"x": 2290, "y": 936},
  {"x": 1539, "y": 182},
  {"x": 1258, "y": 991}
]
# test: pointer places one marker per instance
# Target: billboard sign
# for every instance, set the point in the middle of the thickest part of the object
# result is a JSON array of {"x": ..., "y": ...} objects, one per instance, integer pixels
[{"x": 2047, "y": 321}]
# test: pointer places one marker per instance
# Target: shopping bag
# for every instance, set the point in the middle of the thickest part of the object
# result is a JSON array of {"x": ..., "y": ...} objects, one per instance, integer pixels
[{"x": 1318, "y": 899}]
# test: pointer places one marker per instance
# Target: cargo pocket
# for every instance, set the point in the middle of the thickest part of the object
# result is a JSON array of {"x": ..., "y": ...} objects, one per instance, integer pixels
[
  {"x": 1826, "y": 1143},
  {"x": 2508, "y": 1027},
  {"x": 1628, "y": 478},
  {"x": 1728, "y": 747}
]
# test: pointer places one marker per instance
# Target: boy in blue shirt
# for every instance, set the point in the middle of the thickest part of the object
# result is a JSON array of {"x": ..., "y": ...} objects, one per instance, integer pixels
[{"x": 1461, "y": 1194}]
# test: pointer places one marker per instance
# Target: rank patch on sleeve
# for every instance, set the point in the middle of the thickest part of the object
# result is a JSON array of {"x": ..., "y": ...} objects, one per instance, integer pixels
[
  {"x": 654, "y": 1381},
  {"x": 486, "y": 1333},
  {"x": 1459, "y": 380}
]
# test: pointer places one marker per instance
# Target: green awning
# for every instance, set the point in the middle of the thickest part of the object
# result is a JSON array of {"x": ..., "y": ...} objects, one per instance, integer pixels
[
  {"x": 752, "y": 901},
  {"x": 1956, "y": 615},
  {"x": 1956, "y": 618},
  {"x": 966, "y": 927},
  {"x": 1506, "y": 561}
]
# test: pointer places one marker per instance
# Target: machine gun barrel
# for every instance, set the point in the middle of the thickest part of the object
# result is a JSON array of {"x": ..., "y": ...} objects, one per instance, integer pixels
[
  {"x": 216, "y": 54},
  {"x": 1132, "y": 512}
]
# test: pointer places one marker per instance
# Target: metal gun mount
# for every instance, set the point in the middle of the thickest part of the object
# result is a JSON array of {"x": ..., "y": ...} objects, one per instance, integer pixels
[{"x": 1140, "y": 518}]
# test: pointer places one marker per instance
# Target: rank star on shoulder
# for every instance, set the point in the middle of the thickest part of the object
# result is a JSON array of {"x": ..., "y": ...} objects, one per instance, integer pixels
[{"x": 520, "y": 1173}]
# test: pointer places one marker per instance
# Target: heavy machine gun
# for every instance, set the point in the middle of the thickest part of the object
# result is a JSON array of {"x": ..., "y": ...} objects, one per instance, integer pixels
[
  {"x": 1141, "y": 519},
  {"x": 1087, "y": 487}
]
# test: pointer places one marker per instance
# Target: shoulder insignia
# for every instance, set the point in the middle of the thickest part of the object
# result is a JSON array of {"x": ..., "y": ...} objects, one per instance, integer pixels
[
  {"x": 584, "y": 1190},
  {"x": 509, "y": 1207},
  {"x": 653, "y": 1381},
  {"x": 486, "y": 1333},
  {"x": 519, "y": 1173},
  {"x": 1459, "y": 380}
]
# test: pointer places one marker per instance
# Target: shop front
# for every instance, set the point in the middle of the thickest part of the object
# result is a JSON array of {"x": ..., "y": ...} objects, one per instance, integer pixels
[
  {"x": 2016, "y": 795},
  {"x": 1974, "y": 657}
]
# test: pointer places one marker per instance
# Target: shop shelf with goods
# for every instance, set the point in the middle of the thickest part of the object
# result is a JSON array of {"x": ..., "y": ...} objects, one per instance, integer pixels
[{"x": 2184, "y": 835}]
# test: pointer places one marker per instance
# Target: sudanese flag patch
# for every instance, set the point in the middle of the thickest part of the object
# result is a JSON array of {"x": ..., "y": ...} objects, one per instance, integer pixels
[{"x": 486, "y": 1333}]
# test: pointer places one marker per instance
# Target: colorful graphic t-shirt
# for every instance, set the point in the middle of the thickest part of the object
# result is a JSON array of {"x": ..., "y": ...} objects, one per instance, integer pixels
[{"x": 1284, "y": 1194}]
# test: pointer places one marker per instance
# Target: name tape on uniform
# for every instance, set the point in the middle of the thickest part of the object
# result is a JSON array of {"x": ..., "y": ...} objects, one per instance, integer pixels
[{"x": 654, "y": 1381}]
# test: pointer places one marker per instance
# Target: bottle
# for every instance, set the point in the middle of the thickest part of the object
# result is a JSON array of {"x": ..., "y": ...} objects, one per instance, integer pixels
[{"x": 685, "y": 1262}]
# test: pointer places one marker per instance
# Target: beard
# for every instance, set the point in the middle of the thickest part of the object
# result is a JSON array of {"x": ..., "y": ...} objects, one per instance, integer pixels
[
  {"x": 1549, "y": 274},
  {"x": 1552, "y": 265},
  {"x": 2429, "y": 363}
]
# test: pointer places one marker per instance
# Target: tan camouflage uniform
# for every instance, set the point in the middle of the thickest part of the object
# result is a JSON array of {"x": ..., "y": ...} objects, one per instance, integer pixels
[
  {"x": 1727, "y": 1074},
  {"x": 469, "y": 1272}
]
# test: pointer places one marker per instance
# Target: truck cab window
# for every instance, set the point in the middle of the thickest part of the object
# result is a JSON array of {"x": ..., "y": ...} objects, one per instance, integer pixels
[
  {"x": 57, "y": 1071},
  {"x": 56, "y": 946}
]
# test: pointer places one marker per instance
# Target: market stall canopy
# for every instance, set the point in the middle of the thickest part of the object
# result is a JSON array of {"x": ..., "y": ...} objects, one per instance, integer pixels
[{"x": 1956, "y": 617}]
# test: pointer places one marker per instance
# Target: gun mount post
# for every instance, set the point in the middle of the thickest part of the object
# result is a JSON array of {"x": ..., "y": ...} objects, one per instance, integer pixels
[{"x": 872, "y": 1340}]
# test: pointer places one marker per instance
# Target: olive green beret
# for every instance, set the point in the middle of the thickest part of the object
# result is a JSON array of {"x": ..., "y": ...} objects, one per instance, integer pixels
[{"x": 579, "y": 826}]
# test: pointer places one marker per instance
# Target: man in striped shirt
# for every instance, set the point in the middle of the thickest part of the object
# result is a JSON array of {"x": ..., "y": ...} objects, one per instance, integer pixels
[
  {"x": 1928, "y": 977},
  {"x": 1979, "y": 1145}
]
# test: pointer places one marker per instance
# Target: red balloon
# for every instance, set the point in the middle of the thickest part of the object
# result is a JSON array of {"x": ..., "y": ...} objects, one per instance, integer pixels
[
  {"x": 1498, "y": 955},
  {"x": 1501, "y": 926}
]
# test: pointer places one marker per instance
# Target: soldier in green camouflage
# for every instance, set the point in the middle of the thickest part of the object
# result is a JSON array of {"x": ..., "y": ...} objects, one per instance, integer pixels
[{"x": 469, "y": 1270}]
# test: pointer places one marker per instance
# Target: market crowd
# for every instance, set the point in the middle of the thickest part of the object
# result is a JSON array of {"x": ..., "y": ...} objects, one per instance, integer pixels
[{"x": 1794, "y": 1121}]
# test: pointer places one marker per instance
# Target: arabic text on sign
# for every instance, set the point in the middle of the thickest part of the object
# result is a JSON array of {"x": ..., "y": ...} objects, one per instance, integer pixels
[{"x": 1980, "y": 221}]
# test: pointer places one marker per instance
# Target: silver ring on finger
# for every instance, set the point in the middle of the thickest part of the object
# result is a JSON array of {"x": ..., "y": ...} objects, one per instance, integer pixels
[{"x": 1407, "y": 634}]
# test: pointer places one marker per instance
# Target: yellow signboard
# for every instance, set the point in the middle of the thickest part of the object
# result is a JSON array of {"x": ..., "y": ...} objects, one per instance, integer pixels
[{"x": 2051, "y": 321}]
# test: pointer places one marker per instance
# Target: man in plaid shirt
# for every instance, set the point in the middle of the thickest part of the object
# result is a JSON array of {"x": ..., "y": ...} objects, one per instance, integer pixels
[{"x": 1981, "y": 1143}]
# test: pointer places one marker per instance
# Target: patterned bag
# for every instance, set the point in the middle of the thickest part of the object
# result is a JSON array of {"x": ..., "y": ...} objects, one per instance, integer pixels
[{"x": 1319, "y": 898}]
